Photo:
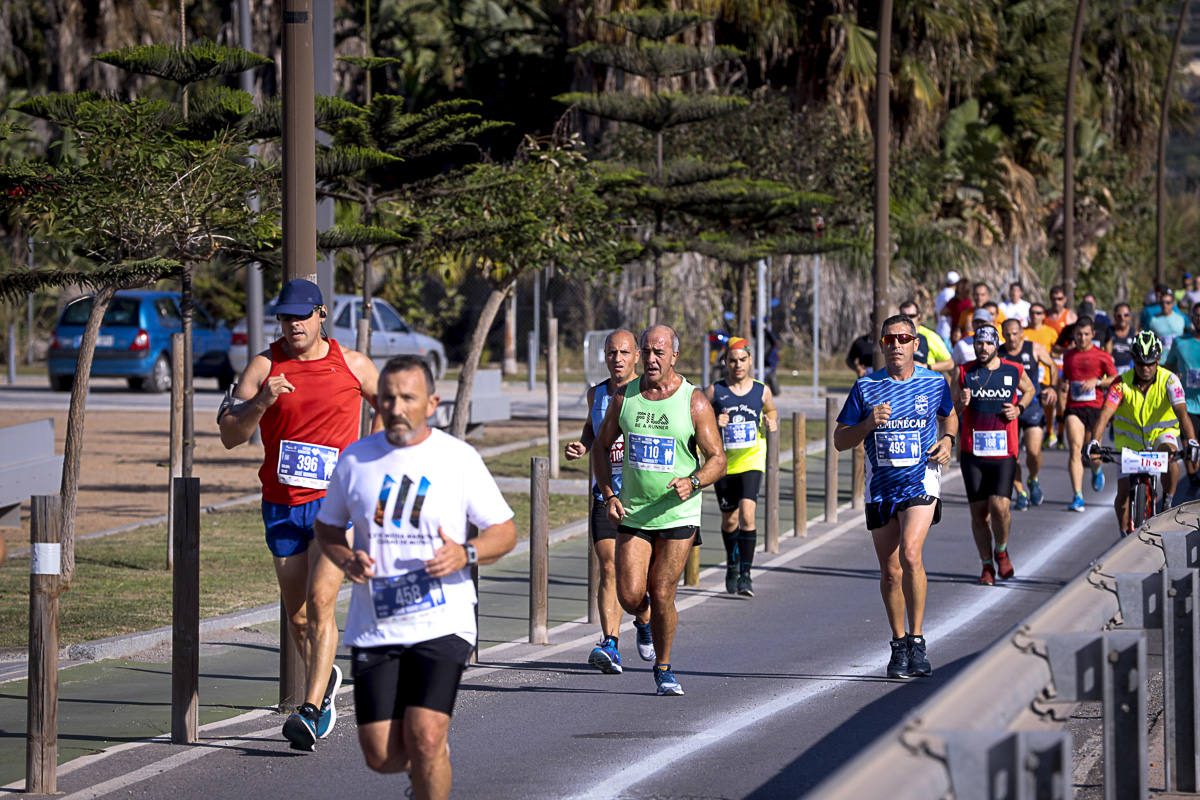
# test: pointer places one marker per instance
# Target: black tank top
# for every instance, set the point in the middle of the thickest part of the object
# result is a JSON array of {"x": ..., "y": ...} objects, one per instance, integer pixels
[{"x": 1122, "y": 349}]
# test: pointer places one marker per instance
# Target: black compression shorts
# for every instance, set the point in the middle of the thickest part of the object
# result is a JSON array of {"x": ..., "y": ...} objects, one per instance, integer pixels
[
  {"x": 1088, "y": 415},
  {"x": 880, "y": 514},
  {"x": 602, "y": 527},
  {"x": 682, "y": 532},
  {"x": 733, "y": 489},
  {"x": 985, "y": 477},
  {"x": 389, "y": 679}
]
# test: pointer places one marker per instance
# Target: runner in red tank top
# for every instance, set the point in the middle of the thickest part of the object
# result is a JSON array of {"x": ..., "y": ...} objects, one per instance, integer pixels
[
  {"x": 990, "y": 394},
  {"x": 305, "y": 393}
]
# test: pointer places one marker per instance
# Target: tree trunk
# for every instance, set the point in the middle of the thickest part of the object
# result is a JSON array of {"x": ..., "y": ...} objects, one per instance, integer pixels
[
  {"x": 1068, "y": 251},
  {"x": 509, "y": 365},
  {"x": 466, "y": 378},
  {"x": 744, "y": 300},
  {"x": 883, "y": 137},
  {"x": 1160, "y": 235},
  {"x": 73, "y": 446}
]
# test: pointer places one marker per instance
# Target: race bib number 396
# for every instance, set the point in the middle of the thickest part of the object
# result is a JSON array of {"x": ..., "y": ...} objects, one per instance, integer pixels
[
  {"x": 307, "y": 465},
  {"x": 651, "y": 453}
]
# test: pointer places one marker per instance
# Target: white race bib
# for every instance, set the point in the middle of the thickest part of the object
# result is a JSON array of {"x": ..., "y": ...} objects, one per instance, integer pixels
[
  {"x": 1151, "y": 462},
  {"x": 989, "y": 443},
  {"x": 1079, "y": 395},
  {"x": 651, "y": 453},
  {"x": 405, "y": 594},
  {"x": 739, "y": 435},
  {"x": 616, "y": 455},
  {"x": 898, "y": 448},
  {"x": 307, "y": 465}
]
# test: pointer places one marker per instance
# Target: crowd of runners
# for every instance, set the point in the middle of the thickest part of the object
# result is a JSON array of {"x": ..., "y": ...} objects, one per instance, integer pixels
[{"x": 391, "y": 510}]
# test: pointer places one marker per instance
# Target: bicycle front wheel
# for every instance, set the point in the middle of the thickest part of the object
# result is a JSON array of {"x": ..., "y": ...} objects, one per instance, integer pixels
[{"x": 1143, "y": 503}]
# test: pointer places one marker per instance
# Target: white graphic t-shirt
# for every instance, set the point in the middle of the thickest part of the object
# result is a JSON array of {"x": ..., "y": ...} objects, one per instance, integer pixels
[{"x": 398, "y": 498}]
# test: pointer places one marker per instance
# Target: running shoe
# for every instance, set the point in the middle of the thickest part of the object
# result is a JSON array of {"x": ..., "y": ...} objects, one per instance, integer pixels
[
  {"x": 745, "y": 586},
  {"x": 918, "y": 663},
  {"x": 1004, "y": 565},
  {"x": 1059, "y": 443},
  {"x": 605, "y": 657},
  {"x": 301, "y": 732},
  {"x": 1052, "y": 442},
  {"x": 1035, "y": 492},
  {"x": 1022, "y": 501},
  {"x": 898, "y": 665},
  {"x": 645, "y": 642},
  {"x": 1098, "y": 480},
  {"x": 731, "y": 578},
  {"x": 664, "y": 679},
  {"x": 1076, "y": 504},
  {"x": 988, "y": 576},
  {"x": 328, "y": 710}
]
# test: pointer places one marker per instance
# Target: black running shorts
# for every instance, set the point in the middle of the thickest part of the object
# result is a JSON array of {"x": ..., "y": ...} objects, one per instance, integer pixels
[
  {"x": 682, "y": 532},
  {"x": 985, "y": 477},
  {"x": 602, "y": 527},
  {"x": 1032, "y": 417},
  {"x": 390, "y": 678},
  {"x": 1089, "y": 415},
  {"x": 880, "y": 514},
  {"x": 733, "y": 489}
]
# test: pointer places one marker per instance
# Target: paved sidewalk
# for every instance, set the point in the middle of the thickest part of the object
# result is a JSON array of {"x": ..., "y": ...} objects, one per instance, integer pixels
[{"x": 117, "y": 700}]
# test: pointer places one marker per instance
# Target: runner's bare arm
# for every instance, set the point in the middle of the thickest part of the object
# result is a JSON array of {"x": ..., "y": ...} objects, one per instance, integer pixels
[
  {"x": 769, "y": 409},
  {"x": 708, "y": 438},
  {"x": 490, "y": 545},
  {"x": 1107, "y": 412},
  {"x": 255, "y": 393},
  {"x": 579, "y": 448},
  {"x": 357, "y": 564},
  {"x": 847, "y": 436},
  {"x": 368, "y": 376},
  {"x": 610, "y": 429},
  {"x": 1026, "y": 388},
  {"x": 942, "y": 449}
]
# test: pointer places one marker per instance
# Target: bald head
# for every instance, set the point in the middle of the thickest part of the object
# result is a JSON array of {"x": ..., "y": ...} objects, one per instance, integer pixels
[
  {"x": 659, "y": 331},
  {"x": 660, "y": 347},
  {"x": 620, "y": 335},
  {"x": 620, "y": 355}
]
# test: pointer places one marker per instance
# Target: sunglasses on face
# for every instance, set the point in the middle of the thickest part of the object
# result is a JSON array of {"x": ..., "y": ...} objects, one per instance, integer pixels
[
  {"x": 294, "y": 317},
  {"x": 1126, "y": 314},
  {"x": 897, "y": 338},
  {"x": 1058, "y": 299}
]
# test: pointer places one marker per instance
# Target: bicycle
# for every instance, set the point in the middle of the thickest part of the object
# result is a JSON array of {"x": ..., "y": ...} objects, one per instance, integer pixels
[{"x": 1142, "y": 468}]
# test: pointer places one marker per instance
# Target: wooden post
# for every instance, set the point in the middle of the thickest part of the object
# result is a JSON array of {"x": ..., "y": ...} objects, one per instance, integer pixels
[
  {"x": 831, "y": 475},
  {"x": 858, "y": 459},
  {"x": 45, "y": 567},
  {"x": 771, "y": 541},
  {"x": 593, "y": 560},
  {"x": 185, "y": 613},
  {"x": 539, "y": 548},
  {"x": 800, "y": 473},
  {"x": 292, "y": 669},
  {"x": 552, "y": 392},
  {"x": 175, "y": 456}
]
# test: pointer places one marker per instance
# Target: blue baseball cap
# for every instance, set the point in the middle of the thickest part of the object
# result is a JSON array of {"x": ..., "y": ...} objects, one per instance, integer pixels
[{"x": 298, "y": 298}]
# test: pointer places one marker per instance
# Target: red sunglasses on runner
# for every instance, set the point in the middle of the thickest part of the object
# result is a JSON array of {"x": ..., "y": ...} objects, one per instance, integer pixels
[{"x": 892, "y": 338}]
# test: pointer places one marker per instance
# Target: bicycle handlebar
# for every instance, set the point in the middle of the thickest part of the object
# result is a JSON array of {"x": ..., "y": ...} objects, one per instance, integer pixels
[{"x": 1112, "y": 455}]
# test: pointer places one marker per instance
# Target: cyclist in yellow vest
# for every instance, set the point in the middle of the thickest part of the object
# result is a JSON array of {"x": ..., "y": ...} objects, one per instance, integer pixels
[
  {"x": 745, "y": 408},
  {"x": 1147, "y": 408}
]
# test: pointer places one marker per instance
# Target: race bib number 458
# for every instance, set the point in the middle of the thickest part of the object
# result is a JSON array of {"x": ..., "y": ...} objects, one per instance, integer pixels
[
  {"x": 651, "y": 453},
  {"x": 401, "y": 595}
]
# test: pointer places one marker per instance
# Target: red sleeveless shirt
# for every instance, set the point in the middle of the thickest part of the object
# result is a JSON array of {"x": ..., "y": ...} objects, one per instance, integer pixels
[{"x": 324, "y": 410}]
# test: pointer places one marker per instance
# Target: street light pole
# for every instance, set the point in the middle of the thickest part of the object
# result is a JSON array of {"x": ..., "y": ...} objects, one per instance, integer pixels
[
  {"x": 883, "y": 84},
  {"x": 299, "y": 144},
  {"x": 1068, "y": 252}
]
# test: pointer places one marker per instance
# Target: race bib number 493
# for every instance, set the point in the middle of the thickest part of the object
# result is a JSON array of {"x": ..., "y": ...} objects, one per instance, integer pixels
[{"x": 898, "y": 448}]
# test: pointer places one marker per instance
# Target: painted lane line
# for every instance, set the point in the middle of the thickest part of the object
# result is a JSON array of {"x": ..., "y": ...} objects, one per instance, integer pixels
[{"x": 718, "y": 729}]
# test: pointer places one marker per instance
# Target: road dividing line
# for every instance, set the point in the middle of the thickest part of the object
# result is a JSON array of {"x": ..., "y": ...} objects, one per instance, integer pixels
[{"x": 719, "y": 729}]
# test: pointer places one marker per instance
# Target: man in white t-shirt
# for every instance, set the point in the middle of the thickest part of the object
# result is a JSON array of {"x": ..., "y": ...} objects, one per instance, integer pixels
[
  {"x": 1016, "y": 305},
  {"x": 939, "y": 302},
  {"x": 411, "y": 491}
]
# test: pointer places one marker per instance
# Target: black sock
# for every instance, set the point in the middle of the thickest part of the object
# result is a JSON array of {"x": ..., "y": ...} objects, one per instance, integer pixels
[
  {"x": 731, "y": 545},
  {"x": 746, "y": 542},
  {"x": 310, "y": 711}
]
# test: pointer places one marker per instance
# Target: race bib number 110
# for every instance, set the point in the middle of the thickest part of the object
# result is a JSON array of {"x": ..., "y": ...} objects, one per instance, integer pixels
[{"x": 651, "y": 453}]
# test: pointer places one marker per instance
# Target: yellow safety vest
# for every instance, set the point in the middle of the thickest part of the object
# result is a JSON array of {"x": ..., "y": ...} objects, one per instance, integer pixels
[{"x": 1142, "y": 418}]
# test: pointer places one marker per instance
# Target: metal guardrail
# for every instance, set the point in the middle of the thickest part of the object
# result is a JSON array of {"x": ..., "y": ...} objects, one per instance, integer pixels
[{"x": 996, "y": 730}]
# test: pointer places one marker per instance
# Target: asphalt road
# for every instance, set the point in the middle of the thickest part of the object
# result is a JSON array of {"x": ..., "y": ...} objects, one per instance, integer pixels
[{"x": 780, "y": 689}]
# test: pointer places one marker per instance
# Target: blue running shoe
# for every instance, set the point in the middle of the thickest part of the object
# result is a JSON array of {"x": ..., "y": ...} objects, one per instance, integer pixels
[
  {"x": 1022, "y": 502},
  {"x": 328, "y": 710},
  {"x": 898, "y": 664},
  {"x": 1098, "y": 481},
  {"x": 918, "y": 663},
  {"x": 301, "y": 732},
  {"x": 605, "y": 657},
  {"x": 664, "y": 679},
  {"x": 1076, "y": 504},
  {"x": 645, "y": 642},
  {"x": 1035, "y": 492}
]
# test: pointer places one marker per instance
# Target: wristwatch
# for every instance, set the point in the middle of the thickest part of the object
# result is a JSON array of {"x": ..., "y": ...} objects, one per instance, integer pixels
[
  {"x": 951, "y": 437},
  {"x": 472, "y": 555},
  {"x": 695, "y": 483}
]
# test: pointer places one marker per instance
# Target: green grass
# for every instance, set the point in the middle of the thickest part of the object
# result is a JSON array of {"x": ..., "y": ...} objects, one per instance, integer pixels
[{"x": 122, "y": 584}]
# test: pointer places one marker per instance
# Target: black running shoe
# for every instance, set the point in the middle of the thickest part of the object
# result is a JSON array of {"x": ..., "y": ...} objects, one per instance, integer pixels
[
  {"x": 731, "y": 578},
  {"x": 918, "y": 663},
  {"x": 898, "y": 666},
  {"x": 745, "y": 586}
]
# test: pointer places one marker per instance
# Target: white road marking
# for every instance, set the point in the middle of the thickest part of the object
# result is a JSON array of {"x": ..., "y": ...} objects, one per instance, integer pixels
[{"x": 718, "y": 730}]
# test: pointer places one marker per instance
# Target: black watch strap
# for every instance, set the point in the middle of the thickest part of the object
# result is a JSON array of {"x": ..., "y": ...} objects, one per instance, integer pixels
[{"x": 953, "y": 440}]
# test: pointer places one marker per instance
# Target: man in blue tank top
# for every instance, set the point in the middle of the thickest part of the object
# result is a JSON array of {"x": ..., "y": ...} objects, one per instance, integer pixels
[
  {"x": 620, "y": 356},
  {"x": 904, "y": 416}
]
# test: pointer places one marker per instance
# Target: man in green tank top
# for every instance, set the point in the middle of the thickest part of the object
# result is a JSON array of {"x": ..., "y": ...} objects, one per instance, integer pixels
[{"x": 663, "y": 419}]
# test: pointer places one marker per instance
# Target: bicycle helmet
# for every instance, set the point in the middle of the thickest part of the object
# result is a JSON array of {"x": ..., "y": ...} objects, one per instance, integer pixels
[{"x": 1146, "y": 348}]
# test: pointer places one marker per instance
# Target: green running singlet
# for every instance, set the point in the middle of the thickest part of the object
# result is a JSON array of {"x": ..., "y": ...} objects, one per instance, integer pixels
[{"x": 659, "y": 447}]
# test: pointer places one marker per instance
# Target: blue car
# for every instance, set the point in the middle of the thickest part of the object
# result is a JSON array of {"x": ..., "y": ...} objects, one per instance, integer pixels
[{"x": 135, "y": 342}]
